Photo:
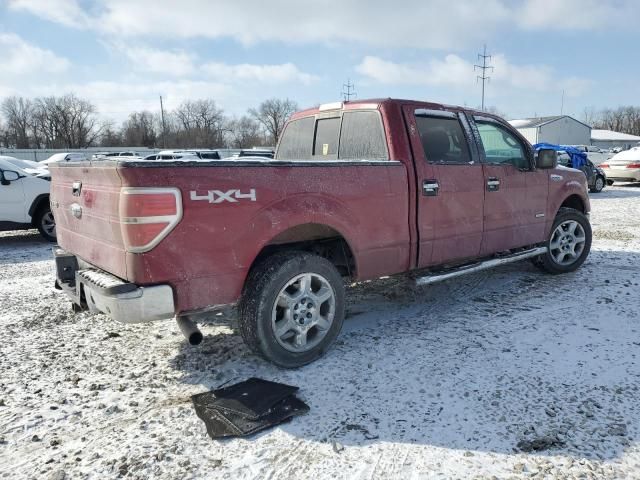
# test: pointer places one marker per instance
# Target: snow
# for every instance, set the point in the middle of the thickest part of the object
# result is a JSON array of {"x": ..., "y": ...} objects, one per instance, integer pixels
[
  {"x": 442, "y": 381},
  {"x": 597, "y": 135}
]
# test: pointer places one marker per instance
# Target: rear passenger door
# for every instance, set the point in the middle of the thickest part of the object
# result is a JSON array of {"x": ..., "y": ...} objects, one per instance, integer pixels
[{"x": 450, "y": 186}]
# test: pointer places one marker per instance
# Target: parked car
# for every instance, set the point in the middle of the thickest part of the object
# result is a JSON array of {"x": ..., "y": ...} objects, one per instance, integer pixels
[
  {"x": 29, "y": 166},
  {"x": 596, "y": 176},
  {"x": 357, "y": 190},
  {"x": 65, "y": 157},
  {"x": 202, "y": 154},
  {"x": 623, "y": 166},
  {"x": 256, "y": 152},
  {"x": 172, "y": 156},
  {"x": 128, "y": 153},
  {"x": 24, "y": 200}
]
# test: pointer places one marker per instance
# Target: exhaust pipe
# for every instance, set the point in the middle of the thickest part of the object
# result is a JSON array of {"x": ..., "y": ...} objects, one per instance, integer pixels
[{"x": 189, "y": 330}]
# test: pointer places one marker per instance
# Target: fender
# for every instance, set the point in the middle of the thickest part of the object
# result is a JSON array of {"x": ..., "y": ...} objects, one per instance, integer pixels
[
  {"x": 574, "y": 185},
  {"x": 302, "y": 209},
  {"x": 37, "y": 202}
]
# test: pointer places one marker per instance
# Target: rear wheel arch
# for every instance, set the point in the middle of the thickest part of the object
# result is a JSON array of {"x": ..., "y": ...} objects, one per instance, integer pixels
[{"x": 317, "y": 238}]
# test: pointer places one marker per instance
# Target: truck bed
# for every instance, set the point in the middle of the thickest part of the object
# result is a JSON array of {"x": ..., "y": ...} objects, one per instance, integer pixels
[{"x": 205, "y": 258}]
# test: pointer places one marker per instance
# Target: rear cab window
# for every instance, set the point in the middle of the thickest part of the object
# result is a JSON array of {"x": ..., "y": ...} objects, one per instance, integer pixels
[{"x": 347, "y": 135}]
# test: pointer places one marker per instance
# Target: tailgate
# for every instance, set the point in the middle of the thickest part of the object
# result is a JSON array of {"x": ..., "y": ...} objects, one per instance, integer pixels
[{"x": 85, "y": 203}]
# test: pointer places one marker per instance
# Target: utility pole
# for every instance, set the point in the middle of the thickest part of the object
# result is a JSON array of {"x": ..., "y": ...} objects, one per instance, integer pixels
[
  {"x": 348, "y": 90},
  {"x": 483, "y": 57},
  {"x": 562, "y": 103},
  {"x": 164, "y": 129}
]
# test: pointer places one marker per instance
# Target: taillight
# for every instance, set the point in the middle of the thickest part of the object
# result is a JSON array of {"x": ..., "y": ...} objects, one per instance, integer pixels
[
  {"x": 147, "y": 215},
  {"x": 633, "y": 165},
  {"x": 604, "y": 165}
]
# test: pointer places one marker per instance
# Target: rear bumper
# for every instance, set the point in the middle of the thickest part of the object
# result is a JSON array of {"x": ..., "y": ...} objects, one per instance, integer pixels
[
  {"x": 100, "y": 292},
  {"x": 626, "y": 175}
]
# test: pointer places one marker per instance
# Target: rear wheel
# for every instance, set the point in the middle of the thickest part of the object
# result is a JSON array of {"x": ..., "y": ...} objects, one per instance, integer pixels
[
  {"x": 292, "y": 308},
  {"x": 45, "y": 223},
  {"x": 598, "y": 185},
  {"x": 569, "y": 243}
]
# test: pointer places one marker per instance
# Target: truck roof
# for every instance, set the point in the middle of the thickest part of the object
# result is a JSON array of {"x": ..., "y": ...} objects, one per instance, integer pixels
[{"x": 377, "y": 103}]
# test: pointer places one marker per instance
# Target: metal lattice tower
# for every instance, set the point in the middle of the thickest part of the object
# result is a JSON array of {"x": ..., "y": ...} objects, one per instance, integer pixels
[
  {"x": 484, "y": 68},
  {"x": 348, "y": 90}
]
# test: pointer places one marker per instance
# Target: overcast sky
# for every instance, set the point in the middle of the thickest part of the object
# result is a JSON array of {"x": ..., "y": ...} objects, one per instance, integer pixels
[{"x": 122, "y": 54}]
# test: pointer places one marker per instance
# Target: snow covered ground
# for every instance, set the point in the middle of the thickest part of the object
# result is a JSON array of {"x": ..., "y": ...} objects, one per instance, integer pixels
[{"x": 508, "y": 373}]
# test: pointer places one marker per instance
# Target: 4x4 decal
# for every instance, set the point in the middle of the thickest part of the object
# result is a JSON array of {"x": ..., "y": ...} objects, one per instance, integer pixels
[{"x": 218, "y": 196}]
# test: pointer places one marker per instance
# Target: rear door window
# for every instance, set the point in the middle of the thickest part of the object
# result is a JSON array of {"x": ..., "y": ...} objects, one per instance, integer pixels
[
  {"x": 443, "y": 140},
  {"x": 362, "y": 137},
  {"x": 326, "y": 139}
]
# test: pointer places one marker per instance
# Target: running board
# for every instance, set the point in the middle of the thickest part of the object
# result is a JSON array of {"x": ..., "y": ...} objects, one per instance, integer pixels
[{"x": 476, "y": 267}]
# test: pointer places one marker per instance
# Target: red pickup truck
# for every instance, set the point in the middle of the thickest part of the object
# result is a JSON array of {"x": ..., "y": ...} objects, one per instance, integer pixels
[{"x": 356, "y": 190}]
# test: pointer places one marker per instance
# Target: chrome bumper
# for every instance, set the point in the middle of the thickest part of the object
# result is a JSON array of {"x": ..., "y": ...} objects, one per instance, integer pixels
[{"x": 100, "y": 292}]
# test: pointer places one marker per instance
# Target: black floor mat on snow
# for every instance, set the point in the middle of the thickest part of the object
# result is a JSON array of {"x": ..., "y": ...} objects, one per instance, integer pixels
[{"x": 247, "y": 407}]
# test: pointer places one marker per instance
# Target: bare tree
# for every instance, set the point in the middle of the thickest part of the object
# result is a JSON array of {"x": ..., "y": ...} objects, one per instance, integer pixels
[
  {"x": 110, "y": 137},
  {"x": 67, "y": 122},
  {"x": 18, "y": 113},
  {"x": 139, "y": 130},
  {"x": 272, "y": 114},
  {"x": 200, "y": 124},
  {"x": 246, "y": 132}
]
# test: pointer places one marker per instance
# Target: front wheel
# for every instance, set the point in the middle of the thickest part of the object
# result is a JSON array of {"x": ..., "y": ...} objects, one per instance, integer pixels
[
  {"x": 569, "y": 243},
  {"x": 45, "y": 223},
  {"x": 292, "y": 308},
  {"x": 598, "y": 185}
]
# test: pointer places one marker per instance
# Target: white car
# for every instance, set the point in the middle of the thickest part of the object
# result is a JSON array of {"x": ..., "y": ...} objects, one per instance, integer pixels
[
  {"x": 623, "y": 166},
  {"x": 29, "y": 166},
  {"x": 24, "y": 200},
  {"x": 65, "y": 157}
]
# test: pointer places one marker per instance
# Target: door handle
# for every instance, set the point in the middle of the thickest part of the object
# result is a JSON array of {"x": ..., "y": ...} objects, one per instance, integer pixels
[
  {"x": 430, "y": 188},
  {"x": 493, "y": 184}
]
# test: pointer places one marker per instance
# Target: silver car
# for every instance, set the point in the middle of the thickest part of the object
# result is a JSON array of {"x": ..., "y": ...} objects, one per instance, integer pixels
[{"x": 624, "y": 166}]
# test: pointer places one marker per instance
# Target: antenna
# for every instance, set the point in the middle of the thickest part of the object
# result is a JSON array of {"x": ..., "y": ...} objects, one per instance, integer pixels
[
  {"x": 483, "y": 68},
  {"x": 348, "y": 90}
]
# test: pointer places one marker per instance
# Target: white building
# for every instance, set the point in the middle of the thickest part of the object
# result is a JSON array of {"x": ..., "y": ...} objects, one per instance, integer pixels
[
  {"x": 610, "y": 139},
  {"x": 563, "y": 130}
]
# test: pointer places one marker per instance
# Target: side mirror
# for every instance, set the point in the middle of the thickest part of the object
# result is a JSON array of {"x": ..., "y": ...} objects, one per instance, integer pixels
[
  {"x": 546, "y": 158},
  {"x": 9, "y": 176}
]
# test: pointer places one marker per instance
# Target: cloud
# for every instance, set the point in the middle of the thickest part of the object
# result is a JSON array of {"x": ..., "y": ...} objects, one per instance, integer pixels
[
  {"x": 116, "y": 99},
  {"x": 174, "y": 63},
  {"x": 66, "y": 12},
  {"x": 454, "y": 71},
  {"x": 576, "y": 14},
  {"x": 286, "y": 72},
  {"x": 439, "y": 24},
  {"x": 431, "y": 23},
  {"x": 21, "y": 58}
]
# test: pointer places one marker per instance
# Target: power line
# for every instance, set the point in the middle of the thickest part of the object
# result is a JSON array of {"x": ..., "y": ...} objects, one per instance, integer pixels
[
  {"x": 483, "y": 68},
  {"x": 348, "y": 90}
]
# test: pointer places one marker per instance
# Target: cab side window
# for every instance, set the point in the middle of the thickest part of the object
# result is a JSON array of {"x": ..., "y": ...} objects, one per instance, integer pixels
[
  {"x": 443, "y": 140},
  {"x": 501, "y": 146}
]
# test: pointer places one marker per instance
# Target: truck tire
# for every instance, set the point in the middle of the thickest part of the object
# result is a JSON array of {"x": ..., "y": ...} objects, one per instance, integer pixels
[
  {"x": 598, "y": 185},
  {"x": 569, "y": 243},
  {"x": 45, "y": 223},
  {"x": 292, "y": 308}
]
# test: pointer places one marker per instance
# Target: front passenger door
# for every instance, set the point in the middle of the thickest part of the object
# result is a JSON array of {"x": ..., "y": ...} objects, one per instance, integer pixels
[
  {"x": 12, "y": 207},
  {"x": 516, "y": 194}
]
